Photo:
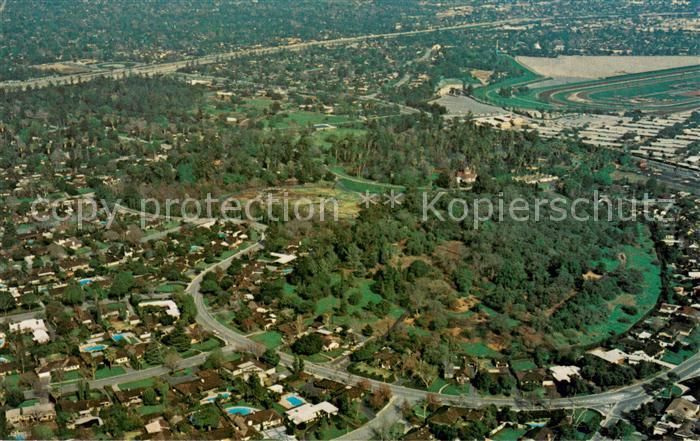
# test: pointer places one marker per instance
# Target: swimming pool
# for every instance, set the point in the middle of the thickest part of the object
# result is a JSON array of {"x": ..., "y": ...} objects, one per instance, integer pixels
[
  {"x": 240, "y": 410},
  {"x": 214, "y": 397},
  {"x": 294, "y": 401},
  {"x": 95, "y": 348},
  {"x": 118, "y": 337}
]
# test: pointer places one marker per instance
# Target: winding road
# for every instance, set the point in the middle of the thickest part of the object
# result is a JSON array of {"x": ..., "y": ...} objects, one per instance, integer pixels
[
  {"x": 612, "y": 402},
  {"x": 235, "y": 341},
  {"x": 620, "y": 399}
]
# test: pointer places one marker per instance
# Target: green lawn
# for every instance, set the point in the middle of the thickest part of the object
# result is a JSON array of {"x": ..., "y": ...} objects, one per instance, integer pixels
[
  {"x": 508, "y": 434},
  {"x": 316, "y": 358},
  {"x": 360, "y": 185},
  {"x": 170, "y": 288},
  {"x": 303, "y": 118},
  {"x": 147, "y": 410},
  {"x": 363, "y": 368},
  {"x": 642, "y": 258},
  {"x": 457, "y": 389},
  {"x": 206, "y": 346},
  {"x": 437, "y": 385},
  {"x": 107, "y": 372},
  {"x": 479, "y": 349},
  {"x": 676, "y": 357},
  {"x": 522, "y": 365},
  {"x": 325, "y": 138},
  {"x": 68, "y": 376},
  {"x": 332, "y": 431},
  {"x": 270, "y": 339},
  {"x": 367, "y": 296},
  {"x": 326, "y": 304},
  {"x": 12, "y": 380},
  {"x": 28, "y": 403},
  {"x": 146, "y": 382}
]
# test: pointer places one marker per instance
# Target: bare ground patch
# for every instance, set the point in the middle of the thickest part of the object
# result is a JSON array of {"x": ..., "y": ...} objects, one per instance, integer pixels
[
  {"x": 464, "y": 304},
  {"x": 602, "y": 66}
]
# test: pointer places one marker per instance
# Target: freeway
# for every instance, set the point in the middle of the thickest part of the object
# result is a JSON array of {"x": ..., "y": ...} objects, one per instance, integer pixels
[{"x": 171, "y": 67}]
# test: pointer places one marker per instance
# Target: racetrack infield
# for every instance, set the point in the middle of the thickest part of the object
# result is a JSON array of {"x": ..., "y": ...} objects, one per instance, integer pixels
[
  {"x": 662, "y": 91},
  {"x": 666, "y": 91}
]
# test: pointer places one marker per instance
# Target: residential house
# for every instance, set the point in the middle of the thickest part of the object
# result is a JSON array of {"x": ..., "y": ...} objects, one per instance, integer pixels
[
  {"x": 539, "y": 434},
  {"x": 263, "y": 419},
  {"x": 36, "y": 327},
  {"x": 246, "y": 368},
  {"x": 419, "y": 434},
  {"x": 683, "y": 408},
  {"x": 307, "y": 413},
  {"x": 37, "y": 413},
  {"x": 533, "y": 378},
  {"x": 130, "y": 397}
]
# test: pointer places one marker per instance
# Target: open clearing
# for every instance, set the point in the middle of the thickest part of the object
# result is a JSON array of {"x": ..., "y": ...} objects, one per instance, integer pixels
[
  {"x": 602, "y": 66},
  {"x": 462, "y": 105}
]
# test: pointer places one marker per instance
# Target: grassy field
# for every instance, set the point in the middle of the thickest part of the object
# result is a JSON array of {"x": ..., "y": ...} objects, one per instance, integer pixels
[
  {"x": 479, "y": 349},
  {"x": 490, "y": 93},
  {"x": 147, "y": 382},
  {"x": 305, "y": 118},
  {"x": 522, "y": 365},
  {"x": 107, "y": 372},
  {"x": 147, "y": 410},
  {"x": 206, "y": 346},
  {"x": 373, "y": 372},
  {"x": 360, "y": 185},
  {"x": 509, "y": 434},
  {"x": 324, "y": 138},
  {"x": 170, "y": 288},
  {"x": 269, "y": 339},
  {"x": 667, "y": 90},
  {"x": 642, "y": 258}
]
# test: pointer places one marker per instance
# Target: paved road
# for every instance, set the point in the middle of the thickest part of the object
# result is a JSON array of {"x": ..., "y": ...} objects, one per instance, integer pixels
[
  {"x": 170, "y": 67},
  {"x": 623, "y": 398},
  {"x": 384, "y": 419},
  {"x": 633, "y": 393}
]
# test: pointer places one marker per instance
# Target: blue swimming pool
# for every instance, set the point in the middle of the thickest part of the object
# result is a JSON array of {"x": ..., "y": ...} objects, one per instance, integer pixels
[
  {"x": 118, "y": 337},
  {"x": 295, "y": 401},
  {"x": 240, "y": 410},
  {"x": 95, "y": 348},
  {"x": 222, "y": 395}
]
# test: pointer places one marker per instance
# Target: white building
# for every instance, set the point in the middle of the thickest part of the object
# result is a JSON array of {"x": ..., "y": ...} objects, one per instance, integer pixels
[
  {"x": 170, "y": 306},
  {"x": 310, "y": 412},
  {"x": 37, "y": 327},
  {"x": 564, "y": 373}
]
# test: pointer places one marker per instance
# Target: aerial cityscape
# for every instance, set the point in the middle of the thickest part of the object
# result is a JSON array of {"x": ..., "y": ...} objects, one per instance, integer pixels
[{"x": 350, "y": 219}]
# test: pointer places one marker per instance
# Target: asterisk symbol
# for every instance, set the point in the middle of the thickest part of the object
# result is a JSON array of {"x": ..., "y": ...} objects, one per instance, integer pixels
[
  {"x": 393, "y": 198},
  {"x": 368, "y": 199}
]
